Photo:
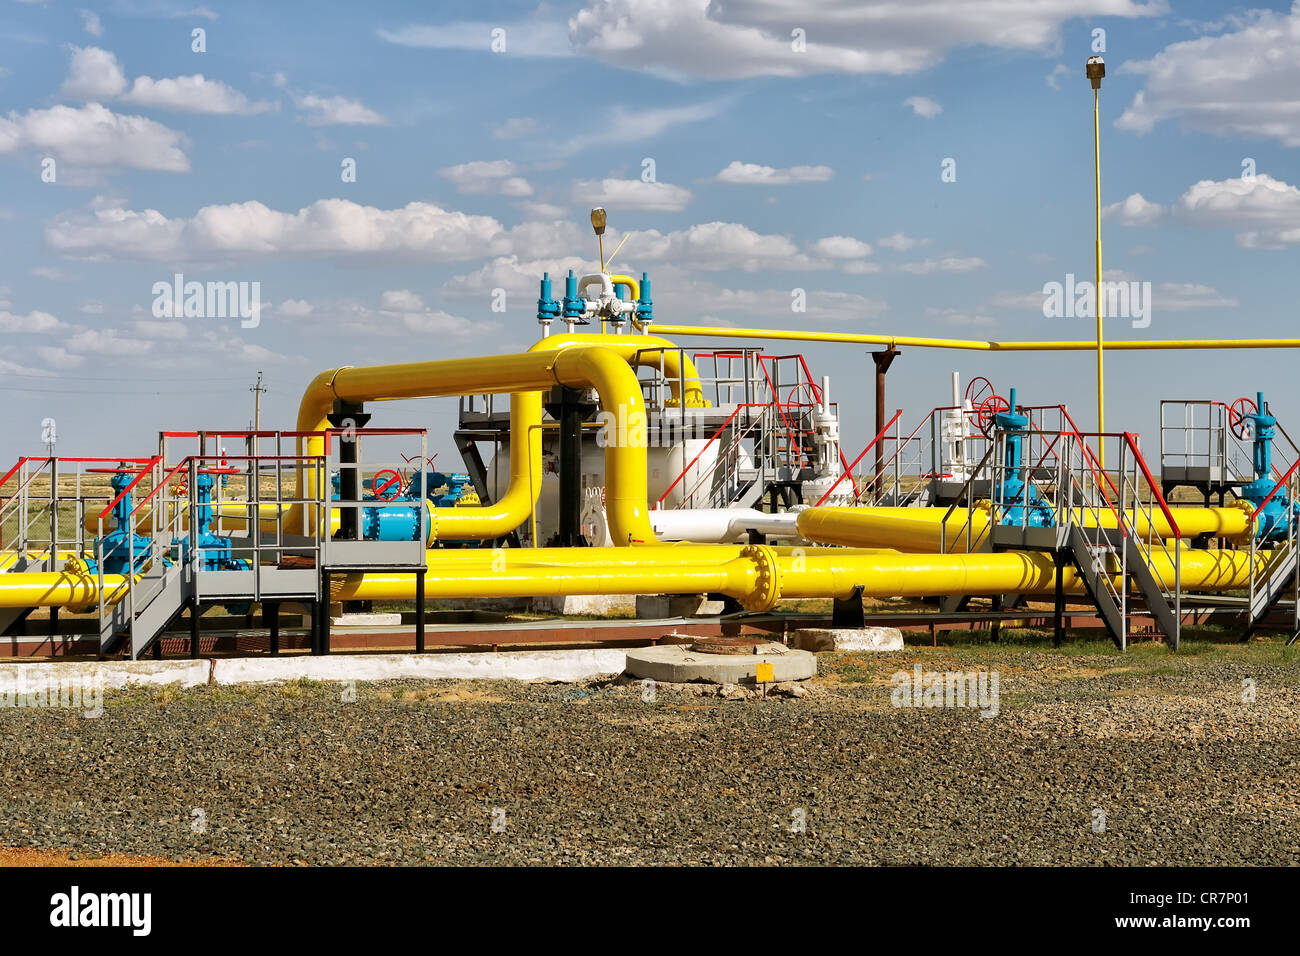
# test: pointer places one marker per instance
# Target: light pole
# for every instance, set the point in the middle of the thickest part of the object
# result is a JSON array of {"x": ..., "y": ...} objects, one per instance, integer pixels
[{"x": 1095, "y": 70}]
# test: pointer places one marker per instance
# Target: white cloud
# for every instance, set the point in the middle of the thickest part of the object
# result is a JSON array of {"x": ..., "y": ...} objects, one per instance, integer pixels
[
  {"x": 943, "y": 264},
  {"x": 543, "y": 210},
  {"x": 94, "y": 136},
  {"x": 93, "y": 74},
  {"x": 1136, "y": 210},
  {"x": 536, "y": 35},
  {"x": 193, "y": 94},
  {"x": 90, "y": 21},
  {"x": 516, "y": 128},
  {"x": 923, "y": 106},
  {"x": 721, "y": 245},
  {"x": 625, "y": 124},
  {"x": 1183, "y": 296},
  {"x": 497, "y": 177},
  {"x": 327, "y": 228},
  {"x": 34, "y": 321},
  {"x": 337, "y": 111},
  {"x": 417, "y": 317},
  {"x": 629, "y": 194},
  {"x": 841, "y": 247},
  {"x": 752, "y": 174},
  {"x": 736, "y": 40},
  {"x": 1263, "y": 212},
  {"x": 1053, "y": 79},
  {"x": 295, "y": 308},
  {"x": 1239, "y": 84},
  {"x": 900, "y": 242}
]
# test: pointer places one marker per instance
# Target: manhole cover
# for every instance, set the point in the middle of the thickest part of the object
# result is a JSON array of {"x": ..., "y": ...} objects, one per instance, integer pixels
[{"x": 727, "y": 645}]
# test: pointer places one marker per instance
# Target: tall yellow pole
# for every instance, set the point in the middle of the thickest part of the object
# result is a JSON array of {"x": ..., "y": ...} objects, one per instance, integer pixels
[{"x": 1095, "y": 70}]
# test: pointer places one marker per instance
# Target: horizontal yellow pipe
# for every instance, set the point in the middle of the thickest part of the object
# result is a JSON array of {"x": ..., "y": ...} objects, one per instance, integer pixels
[
  {"x": 923, "y": 529},
  {"x": 855, "y": 338},
  {"x": 759, "y": 576}
]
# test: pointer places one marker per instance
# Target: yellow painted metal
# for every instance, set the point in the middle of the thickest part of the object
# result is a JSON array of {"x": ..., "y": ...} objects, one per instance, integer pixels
[
  {"x": 854, "y": 338},
  {"x": 520, "y": 374},
  {"x": 758, "y": 576},
  {"x": 924, "y": 529},
  {"x": 1101, "y": 380}
]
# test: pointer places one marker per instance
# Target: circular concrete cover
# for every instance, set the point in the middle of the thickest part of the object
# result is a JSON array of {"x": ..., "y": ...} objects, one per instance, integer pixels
[{"x": 680, "y": 665}]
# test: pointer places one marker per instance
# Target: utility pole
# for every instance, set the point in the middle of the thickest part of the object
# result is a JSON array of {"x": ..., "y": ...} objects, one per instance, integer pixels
[
  {"x": 257, "y": 391},
  {"x": 1095, "y": 70}
]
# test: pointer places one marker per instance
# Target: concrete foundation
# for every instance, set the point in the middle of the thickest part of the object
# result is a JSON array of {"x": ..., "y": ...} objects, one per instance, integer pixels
[
  {"x": 366, "y": 620},
  {"x": 678, "y": 664},
  {"x": 592, "y": 605},
  {"x": 659, "y": 606},
  {"x": 848, "y": 639}
]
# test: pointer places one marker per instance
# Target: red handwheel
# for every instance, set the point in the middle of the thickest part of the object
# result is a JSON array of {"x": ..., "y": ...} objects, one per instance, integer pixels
[
  {"x": 991, "y": 406},
  {"x": 1237, "y": 419},
  {"x": 978, "y": 389},
  {"x": 388, "y": 489}
]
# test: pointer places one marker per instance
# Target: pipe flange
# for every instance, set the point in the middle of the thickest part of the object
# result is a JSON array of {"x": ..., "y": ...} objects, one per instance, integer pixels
[{"x": 767, "y": 583}]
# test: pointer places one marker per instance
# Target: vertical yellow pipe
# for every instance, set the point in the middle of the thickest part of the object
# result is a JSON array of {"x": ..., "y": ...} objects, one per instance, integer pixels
[{"x": 1101, "y": 381}]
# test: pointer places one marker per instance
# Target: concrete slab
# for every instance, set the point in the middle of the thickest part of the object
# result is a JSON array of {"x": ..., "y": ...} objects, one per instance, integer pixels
[
  {"x": 655, "y": 606},
  {"x": 848, "y": 639},
  {"x": 596, "y": 605},
  {"x": 366, "y": 620},
  {"x": 114, "y": 674},
  {"x": 679, "y": 665},
  {"x": 563, "y": 666}
]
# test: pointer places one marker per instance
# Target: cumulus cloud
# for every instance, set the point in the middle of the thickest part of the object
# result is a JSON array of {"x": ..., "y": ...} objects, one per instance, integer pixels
[
  {"x": 326, "y": 228},
  {"x": 337, "y": 111},
  {"x": 700, "y": 38},
  {"x": 94, "y": 136},
  {"x": 91, "y": 22},
  {"x": 923, "y": 106},
  {"x": 193, "y": 94},
  {"x": 33, "y": 322},
  {"x": 497, "y": 177},
  {"x": 901, "y": 242},
  {"x": 841, "y": 247},
  {"x": 753, "y": 174},
  {"x": 628, "y": 194},
  {"x": 1263, "y": 212},
  {"x": 93, "y": 74},
  {"x": 1241, "y": 83},
  {"x": 942, "y": 264}
]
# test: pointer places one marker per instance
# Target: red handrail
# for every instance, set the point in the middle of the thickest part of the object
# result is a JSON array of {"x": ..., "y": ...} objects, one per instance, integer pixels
[
  {"x": 1155, "y": 489},
  {"x": 849, "y": 470},
  {"x": 1282, "y": 481},
  {"x": 134, "y": 481},
  {"x": 711, "y": 440}
]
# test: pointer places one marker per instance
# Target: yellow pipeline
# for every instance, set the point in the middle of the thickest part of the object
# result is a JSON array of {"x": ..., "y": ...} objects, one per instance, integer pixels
[
  {"x": 976, "y": 345},
  {"x": 923, "y": 529},
  {"x": 758, "y": 575},
  {"x": 645, "y": 351},
  {"x": 577, "y": 367}
]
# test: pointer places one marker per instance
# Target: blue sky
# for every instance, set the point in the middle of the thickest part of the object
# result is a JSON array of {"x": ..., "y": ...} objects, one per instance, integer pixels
[{"x": 775, "y": 169}]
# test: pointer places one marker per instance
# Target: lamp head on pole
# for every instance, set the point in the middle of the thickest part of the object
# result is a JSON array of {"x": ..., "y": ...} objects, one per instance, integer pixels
[
  {"x": 1095, "y": 70},
  {"x": 598, "y": 220}
]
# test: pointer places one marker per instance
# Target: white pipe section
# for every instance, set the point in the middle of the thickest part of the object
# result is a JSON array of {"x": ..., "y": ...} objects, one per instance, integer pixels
[{"x": 721, "y": 525}]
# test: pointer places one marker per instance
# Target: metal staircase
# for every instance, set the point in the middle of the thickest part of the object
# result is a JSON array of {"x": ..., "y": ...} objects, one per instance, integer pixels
[
  {"x": 1106, "y": 523},
  {"x": 1278, "y": 576}
]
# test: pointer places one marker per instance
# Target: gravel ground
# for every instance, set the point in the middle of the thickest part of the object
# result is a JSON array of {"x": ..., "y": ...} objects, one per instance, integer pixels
[{"x": 1183, "y": 769}]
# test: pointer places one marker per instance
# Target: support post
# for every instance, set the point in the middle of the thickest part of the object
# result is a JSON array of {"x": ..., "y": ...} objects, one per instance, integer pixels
[
  {"x": 1059, "y": 559},
  {"x": 195, "y": 613},
  {"x": 348, "y": 416},
  {"x": 567, "y": 406},
  {"x": 324, "y": 643},
  {"x": 419, "y": 611},
  {"x": 882, "y": 360},
  {"x": 271, "y": 611}
]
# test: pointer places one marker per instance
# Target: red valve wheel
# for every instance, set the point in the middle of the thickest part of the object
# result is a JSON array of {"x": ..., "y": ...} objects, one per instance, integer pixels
[
  {"x": 991, "y": 406},
  {"x": 389, "y": 489},
  {"x": 1237, "y": 413},
  {"x": 978, "y": 389}
]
